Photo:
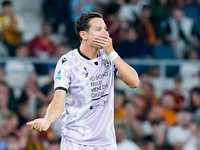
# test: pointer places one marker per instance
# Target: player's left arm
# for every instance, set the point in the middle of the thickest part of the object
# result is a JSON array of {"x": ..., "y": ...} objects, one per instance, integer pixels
[{"x": 125, "y": 72}]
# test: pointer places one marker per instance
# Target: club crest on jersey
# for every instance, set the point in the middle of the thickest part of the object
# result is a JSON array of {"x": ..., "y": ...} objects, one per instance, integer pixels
[
  {"x": 106, "y": 63},
  {"x": 58, "y": 74},
  {"x": 64, "y": 60}
]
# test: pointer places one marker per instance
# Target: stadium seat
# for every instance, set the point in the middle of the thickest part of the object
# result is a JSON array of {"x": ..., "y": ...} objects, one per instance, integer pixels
[{"x": 164, "y": 51}]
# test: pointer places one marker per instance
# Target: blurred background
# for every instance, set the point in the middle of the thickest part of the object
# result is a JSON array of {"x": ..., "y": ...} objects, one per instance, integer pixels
[{"x": 159, "y": 38}]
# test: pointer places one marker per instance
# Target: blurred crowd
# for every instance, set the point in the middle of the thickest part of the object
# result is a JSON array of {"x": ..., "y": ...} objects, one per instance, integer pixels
[{"x": 140, "y": 29}]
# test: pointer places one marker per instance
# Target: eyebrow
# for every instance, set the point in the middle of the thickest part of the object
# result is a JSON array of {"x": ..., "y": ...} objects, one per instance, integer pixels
[{"x": 101, "y": 26}]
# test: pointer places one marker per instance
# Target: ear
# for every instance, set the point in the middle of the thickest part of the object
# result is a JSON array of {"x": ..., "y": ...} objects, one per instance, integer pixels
[{"x": 83, "y": 35}]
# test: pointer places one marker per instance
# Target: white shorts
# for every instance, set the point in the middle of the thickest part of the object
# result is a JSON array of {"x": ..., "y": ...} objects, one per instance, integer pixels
[{"x": 68, "y": 145}]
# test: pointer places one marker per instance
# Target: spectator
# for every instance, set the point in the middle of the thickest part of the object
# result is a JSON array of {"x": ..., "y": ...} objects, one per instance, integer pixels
[
  {"x": 19, "y": 68},
  {"x": 13, "y": 143},
  {"x": 131, "y": 122},
  {"x": 147, "y": 93},
  {"x": 8, "y": 126},
  {"x": 195, "y": 99},
  {"x": 77, "y": 7},
  {"x": 46, "y": 94},
  {"x": 8, "y": 96},
  {"x": 158, "y": 133},
  {"x": 155, "y": 115},
  {"x": 196, "y": 116},
  {"x": 139, "y": 103},
  {"x": 145, "y": 27},
  {"x": 132, "y": 46},
  {"x": 161, "y": 10},
  {"x": 4, "y": 101},
  {"x": 131, "y": 10},
  {"x": 42, "y": 46},
  {"x": 169, "y": 115},
  {"x": 2, "y": 74},
  {"x": 30, "y": 99},
  {"x": 183, "y": 135},
  {"x": 148, "y": 143},
  {"x": 3, "y": 50},
  {"x": 30, "y": 139},
  {"x": 176, "y": 93},
  {"x": 113, "y": 22},
  {"x": 58, "y": 12},
  {"x": 62, "y": 49},
  {"x": 53, "y": 145},
  {"x": 11, "y": 27},
  {"x": 122, "y": 141},
  {"x": 190, "y": 69},
  {"x": 119, "y": 110},
  {"x": 23, "y": 113},
  {"x": 49, "y": 135},
  {"x": 180, "y": 32}
]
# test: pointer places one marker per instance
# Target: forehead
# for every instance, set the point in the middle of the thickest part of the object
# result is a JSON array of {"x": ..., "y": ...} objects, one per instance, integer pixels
[{"x": 97, "y": 22}]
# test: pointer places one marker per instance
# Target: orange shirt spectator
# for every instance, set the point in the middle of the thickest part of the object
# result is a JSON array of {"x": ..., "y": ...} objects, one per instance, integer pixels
[
  {"x": 176, "y": 93},
  {"x": 119, "y": 110},
  {"x": 148, "y": 96},
  {"x": 169, "y": 114},
  {"x": 145, "y": 27},
  {"x": 42, "y": 45},
  {"x": 119, "y": 115}
]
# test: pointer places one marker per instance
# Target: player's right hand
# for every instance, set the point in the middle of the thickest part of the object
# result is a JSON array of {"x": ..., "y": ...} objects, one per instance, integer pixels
[{"x": 41, "y": 124}]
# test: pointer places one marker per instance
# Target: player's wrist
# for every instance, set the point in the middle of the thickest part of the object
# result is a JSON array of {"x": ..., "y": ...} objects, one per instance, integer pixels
[
  {"x": 48, "y": 120},
  {"x": 113, "y": 55}
]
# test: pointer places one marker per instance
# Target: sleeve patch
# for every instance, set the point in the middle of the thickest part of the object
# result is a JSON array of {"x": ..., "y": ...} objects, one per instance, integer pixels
[{"x": 58, "y": 76}]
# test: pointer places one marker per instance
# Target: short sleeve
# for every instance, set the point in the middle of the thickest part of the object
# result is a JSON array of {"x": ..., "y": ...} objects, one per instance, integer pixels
[
  {"x": 115, "y": 70},
  {"x": 62, "y": 75}
]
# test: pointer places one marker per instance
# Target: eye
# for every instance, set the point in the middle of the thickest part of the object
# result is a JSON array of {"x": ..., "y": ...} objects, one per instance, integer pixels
[{"x": 98, "y": 29}]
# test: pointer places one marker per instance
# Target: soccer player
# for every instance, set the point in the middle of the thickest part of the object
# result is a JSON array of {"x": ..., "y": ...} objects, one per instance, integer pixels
[{"x": 84, "y": 89}]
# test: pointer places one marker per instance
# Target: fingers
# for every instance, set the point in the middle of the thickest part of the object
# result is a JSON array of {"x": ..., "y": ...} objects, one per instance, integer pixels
[
  {"x": 100, "y": 41},
  {"x": 38, "y": 126},
  {"x": 102, "y": 38},
  {"x": 30, "y": 123},
  {"x": 34, "y": 126}
]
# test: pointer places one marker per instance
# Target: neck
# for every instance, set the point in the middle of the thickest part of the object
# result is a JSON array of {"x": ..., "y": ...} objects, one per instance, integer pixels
[{"x": 88, "y": 51}]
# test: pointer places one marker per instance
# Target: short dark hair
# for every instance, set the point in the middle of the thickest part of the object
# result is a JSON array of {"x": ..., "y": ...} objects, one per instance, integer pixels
[
  {"x": 82, "y": 23},
  {"x": 6, "y": 3}
]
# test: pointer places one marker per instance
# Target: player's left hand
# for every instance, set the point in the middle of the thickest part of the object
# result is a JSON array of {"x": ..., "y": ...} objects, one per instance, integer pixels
[{"x": 105, "y": 42}]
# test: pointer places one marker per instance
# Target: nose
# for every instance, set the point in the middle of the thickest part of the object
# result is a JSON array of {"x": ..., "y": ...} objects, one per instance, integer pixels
[{"x": 105, "y": 32}]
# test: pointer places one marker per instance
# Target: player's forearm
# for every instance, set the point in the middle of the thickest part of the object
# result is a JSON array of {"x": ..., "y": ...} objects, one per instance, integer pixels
[
  {"x": 54, "y": 111},
  {"x": 56, "y": 107},
  {"x": 126, "y": 73}
]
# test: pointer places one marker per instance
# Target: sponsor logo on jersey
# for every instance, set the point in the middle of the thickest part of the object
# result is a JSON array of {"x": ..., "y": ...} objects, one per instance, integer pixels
[
  {"x": 64, "y": 60},
  {"x": 106, "y": 63},
  {"x": 86, "y": 75},
  {"x": 84, "y": 68},
  {"x": 58, "y": 74},
  {"x": 103, "y": 104}
]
